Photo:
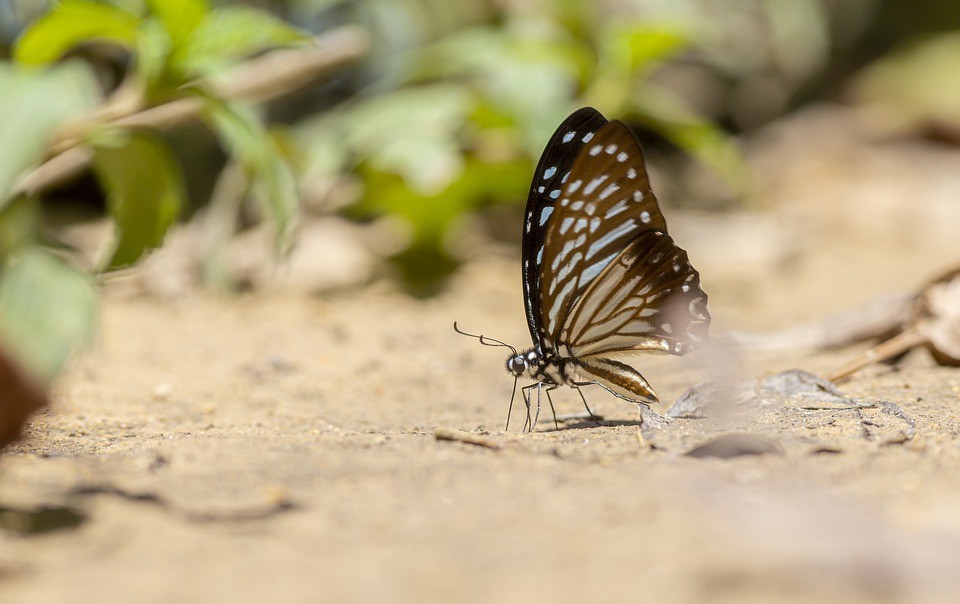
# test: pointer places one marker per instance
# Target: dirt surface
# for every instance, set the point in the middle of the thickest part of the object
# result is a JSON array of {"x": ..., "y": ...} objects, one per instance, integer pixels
[{"x": 280, "y": 446}]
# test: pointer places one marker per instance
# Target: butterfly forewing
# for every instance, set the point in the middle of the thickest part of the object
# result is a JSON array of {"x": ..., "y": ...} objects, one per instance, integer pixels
[
  {"x": 551, "y": 175},
  {"x": 605, "y": 204}
]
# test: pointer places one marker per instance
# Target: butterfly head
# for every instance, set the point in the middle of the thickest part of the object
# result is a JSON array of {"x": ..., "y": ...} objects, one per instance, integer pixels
[{"x": 524, "y": 362}]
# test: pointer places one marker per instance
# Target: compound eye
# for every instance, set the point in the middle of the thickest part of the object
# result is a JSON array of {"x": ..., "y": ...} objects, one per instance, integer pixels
[{"x": 517, "y": 365}]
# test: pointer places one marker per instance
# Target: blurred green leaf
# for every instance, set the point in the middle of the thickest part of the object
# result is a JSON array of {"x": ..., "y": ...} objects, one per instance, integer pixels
[
  {"x": 73, "y": 22},
  {"x": 669, "y": 115},
  {"x": 639, "y": 47},
  {"x": 231, "y": 33},
  {"x": 19, "y": 225},
  {"x": 153, "y": 53},
  {"x": 412, "y": 132},
  {"x": 47, "y": 309},
  {"x": 430, "y": 215},
  {"x": 32, "y": 105},
  {"x": 529, "y": 78},
  {"x": 914, "y": 87},
  {"x": 180, "y": 18},
  {"x": 145, "y": 191},
  {"x": 273, "y": 182},
  {"x": 628, "y": 55},
  {"x": 427, "y": 260}
]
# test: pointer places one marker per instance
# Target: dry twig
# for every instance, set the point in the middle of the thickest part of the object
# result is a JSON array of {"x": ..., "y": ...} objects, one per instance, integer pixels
[
  {"x": 934, "y": 324},
  {"x": 269, "y": 76},
  {"x": 465, "y": 437}
]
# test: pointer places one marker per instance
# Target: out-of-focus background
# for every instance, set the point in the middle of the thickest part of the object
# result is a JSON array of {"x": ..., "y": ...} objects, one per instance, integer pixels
[{"x": 234, "y": 237}]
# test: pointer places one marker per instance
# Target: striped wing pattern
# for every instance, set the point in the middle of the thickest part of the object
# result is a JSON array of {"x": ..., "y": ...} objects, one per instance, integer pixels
[
  {"x": 611, "y": 280},
  {"x": 549, "y": 179}
]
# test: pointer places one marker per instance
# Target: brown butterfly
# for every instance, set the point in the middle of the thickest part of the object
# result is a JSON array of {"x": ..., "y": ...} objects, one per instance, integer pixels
[{"x": 601, "y": 277}]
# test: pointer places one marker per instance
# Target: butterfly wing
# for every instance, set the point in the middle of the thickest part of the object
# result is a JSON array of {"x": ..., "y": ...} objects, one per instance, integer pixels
[
  {"x": 647, "y": 300},
  {"x": 613, "y": 280},
  {"x": 548, "y": 180}
]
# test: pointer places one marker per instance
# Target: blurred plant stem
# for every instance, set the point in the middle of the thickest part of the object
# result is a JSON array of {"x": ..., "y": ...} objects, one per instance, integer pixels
[{"x": 269, "y": 76}]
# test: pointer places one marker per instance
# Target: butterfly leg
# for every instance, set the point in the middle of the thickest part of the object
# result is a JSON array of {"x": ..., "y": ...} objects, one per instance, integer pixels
[
  {"x": 576, "y": 386},
  {"x": 525, "y": 391},
  {"x": 556, "y": 424},
  {"x": 536, "y": 417}
]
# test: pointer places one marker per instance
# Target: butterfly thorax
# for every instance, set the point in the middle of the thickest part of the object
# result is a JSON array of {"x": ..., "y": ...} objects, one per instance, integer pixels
[{"x": 540, "y": 367}]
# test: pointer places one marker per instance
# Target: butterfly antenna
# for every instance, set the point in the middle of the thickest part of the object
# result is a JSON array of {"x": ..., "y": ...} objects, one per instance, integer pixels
[{"x": 483, "y": 339}]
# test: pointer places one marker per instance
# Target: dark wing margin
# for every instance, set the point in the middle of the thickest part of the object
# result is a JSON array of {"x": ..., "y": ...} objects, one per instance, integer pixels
[{"x": 548, "y": 180}]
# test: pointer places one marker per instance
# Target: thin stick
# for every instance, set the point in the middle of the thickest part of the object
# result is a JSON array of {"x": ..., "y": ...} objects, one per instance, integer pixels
[
  {"x": 465, "y": 437},
  {"x": 897, "y": 345},
  {"x": 269, "y": 76}
]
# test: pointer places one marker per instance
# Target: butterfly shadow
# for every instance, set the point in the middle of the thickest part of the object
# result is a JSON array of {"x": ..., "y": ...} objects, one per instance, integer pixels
[{"x": 582, "y": 424}]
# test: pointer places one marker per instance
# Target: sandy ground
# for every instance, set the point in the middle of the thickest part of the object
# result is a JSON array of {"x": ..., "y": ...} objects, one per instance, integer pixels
[{"x": 281, "y": 446}]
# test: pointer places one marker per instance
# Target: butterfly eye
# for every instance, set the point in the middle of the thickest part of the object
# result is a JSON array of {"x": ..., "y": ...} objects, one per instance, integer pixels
[{"x": 516, "y": 365}]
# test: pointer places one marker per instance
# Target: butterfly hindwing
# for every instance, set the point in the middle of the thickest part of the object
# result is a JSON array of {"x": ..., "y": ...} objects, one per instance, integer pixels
[
  {"x": 549, "y": 178},
  {"x": 648, "y": 299}
]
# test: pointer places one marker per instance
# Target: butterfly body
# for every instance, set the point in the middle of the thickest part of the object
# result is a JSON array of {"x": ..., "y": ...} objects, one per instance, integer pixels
[
  {"x": 602, "y": 278},
  {"x": 555, "y": 370}
]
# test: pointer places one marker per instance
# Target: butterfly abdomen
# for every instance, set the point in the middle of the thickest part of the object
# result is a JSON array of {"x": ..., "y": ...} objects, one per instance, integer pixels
[{"x": 618, "y": 378}]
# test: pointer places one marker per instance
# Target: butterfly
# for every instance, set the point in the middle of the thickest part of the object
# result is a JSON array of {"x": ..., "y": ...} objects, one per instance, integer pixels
[{"x": 602, "y": 278}]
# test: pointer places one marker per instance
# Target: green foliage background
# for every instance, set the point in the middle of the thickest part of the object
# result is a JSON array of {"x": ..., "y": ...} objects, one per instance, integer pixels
[{"x": 444, "y": 119}]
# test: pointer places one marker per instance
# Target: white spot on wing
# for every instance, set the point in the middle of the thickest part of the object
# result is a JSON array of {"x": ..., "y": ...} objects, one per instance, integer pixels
[
  {"x": 569, "y": 136},
  {"x": 593, "y": 184},
  {"x": 638, "y": 195},
  {"x": 575, "y": 206},
  {"x": 541, "y": 189},
  {"x": 574, "y": 260},
  {"x": 610, "y": 189},
  {"x": 587, "y": 137},
  {"x": 645, "y": 217},
  {"x": 565, "y": 226},
  {"x": 554, "y": 193},
  {"x": 622, "y": 156},
  {"x": 545, "y": 214},
  {"x": 549, "y": 172},
  {"x": 611, "y": 149},
  {"x": 594, "y": 269},
  {"x": 616, "y": 208},
  {"x": 595, "y": 150},
  {"x": 574, "y": 186},
  {"x": 558, "y": 301},
  {"x": 610, "y": 236},
  {"x": 631, "y": 173}
]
